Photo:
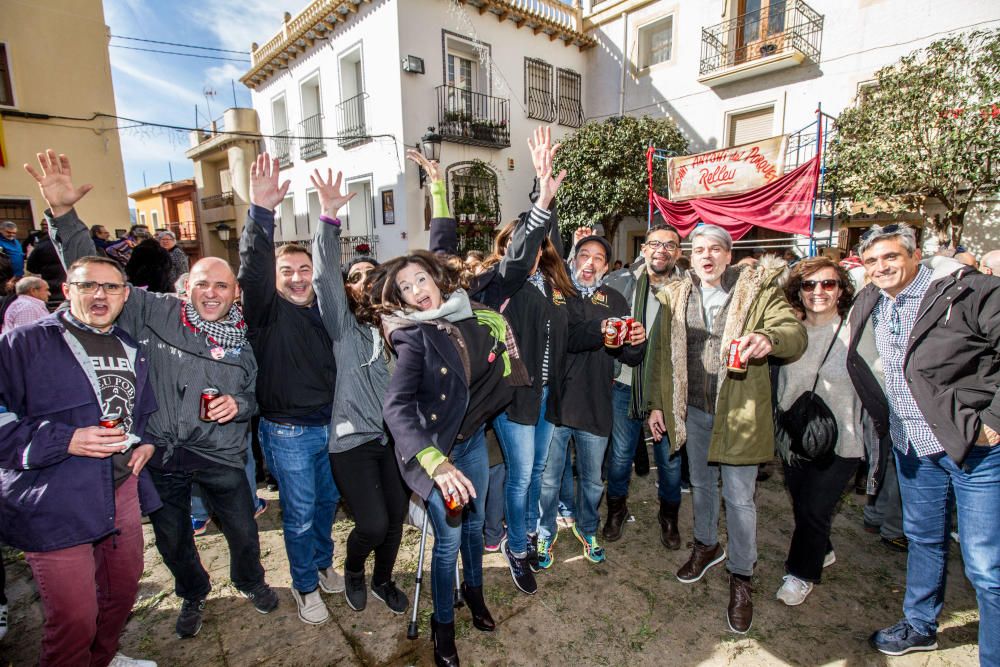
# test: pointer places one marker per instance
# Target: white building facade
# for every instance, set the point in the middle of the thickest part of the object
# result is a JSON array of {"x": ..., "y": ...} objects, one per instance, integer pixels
[
  {"x": 349, "y": 85},
  {"x": 733, "y": 71}
]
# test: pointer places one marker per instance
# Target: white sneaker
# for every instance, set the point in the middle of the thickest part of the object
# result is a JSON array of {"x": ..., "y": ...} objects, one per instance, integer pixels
[
  {"x": 829, "y": 559},
  {"x": 312, "y": 609},
  {"x": 794, "y": 591},
  {"x": 331, "y": 581},
  {"x": 121, "y": 660},
  {"x": 3, "y": 619}
]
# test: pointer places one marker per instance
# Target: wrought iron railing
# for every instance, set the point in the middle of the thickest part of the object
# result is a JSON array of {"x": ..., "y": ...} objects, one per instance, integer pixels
[
  {"x": 281, "y": 147},
  {"x": 781, "y": 27},
  {"x": 467, "y": 117},
  {"x": 311, "y": 144},
  {"x": 538, "y": 90},
  {"x": 186, "y": 230},
  {"x": 570, "y": 94},
  {"x": 217, "y": 201},
  {"x": 349, "y": 247},
  {"x": 353, "y": 125}
]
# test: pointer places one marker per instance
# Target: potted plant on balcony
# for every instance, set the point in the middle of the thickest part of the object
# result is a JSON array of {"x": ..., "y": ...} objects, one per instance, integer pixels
[{"x": 482, "y": 130}]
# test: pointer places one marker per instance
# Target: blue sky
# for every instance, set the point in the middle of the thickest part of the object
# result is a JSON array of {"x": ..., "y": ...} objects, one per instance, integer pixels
[{"x": 165, "y": 88}]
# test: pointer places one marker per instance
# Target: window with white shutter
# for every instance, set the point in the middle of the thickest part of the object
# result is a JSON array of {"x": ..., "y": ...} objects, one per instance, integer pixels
[{"x": 750, "y": 126}]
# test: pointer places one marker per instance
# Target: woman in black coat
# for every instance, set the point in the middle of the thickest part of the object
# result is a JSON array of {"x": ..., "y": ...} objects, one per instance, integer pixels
[
  {"x": 456, "y": 367},
  {"x": 150, "y": 267}
]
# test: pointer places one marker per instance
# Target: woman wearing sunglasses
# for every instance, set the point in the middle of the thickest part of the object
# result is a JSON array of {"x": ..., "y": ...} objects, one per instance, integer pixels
[{"x": 821, "y": 293}]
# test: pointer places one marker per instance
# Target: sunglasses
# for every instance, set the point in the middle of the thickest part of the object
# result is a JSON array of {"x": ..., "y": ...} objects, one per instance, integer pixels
[
  {"x": 888, "y": 229},
  {"x": 828, "y": 285}
]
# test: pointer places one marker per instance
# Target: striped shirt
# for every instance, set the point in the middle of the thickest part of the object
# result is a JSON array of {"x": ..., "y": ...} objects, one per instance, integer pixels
[{"x": 893, "y": 320}]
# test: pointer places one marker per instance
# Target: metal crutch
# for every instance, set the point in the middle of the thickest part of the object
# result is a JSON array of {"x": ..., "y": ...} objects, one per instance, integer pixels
[
  {"x": 459, "y": 600},
  {"x": 412, "y": 632}
]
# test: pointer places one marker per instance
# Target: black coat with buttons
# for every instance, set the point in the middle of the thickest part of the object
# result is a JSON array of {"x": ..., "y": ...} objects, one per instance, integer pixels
[{"x": 952, "y": 361}]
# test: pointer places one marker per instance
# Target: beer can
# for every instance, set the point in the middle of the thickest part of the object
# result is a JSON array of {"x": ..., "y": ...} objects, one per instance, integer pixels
[
  {"x": 208, "y": 394},
  {"x": 110, "y": 420},
  {"x": 629, "y": 323},
  {"x": 453, "y": 504},
  {"x": 612, "y": 332},
  {"x": 733, "y": 361}
]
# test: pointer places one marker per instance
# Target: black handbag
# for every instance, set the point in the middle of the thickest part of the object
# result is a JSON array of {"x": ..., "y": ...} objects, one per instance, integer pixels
[{"x": 807, "y": 430}]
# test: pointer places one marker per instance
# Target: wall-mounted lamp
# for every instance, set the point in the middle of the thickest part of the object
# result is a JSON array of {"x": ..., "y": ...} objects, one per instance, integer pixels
[
  {"x": 223, "y": 230},
  {"x": 413, "y": 65},
  {"x": 430, "y": 146}
]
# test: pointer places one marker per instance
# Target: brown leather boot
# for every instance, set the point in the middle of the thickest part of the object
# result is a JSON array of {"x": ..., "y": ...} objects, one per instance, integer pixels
[
  {"x": 617, "y": 517},
  {"x": 740, "y": 611},
  {"x": 702, "y": 558},
  {"x": 669, "y": 535}
]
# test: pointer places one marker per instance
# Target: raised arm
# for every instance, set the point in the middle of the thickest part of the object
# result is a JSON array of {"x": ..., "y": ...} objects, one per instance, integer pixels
[
  {"x": 256, "y": 275},
  {"x": 444, "y": 229},
  {"x": 328, "y": 280}
]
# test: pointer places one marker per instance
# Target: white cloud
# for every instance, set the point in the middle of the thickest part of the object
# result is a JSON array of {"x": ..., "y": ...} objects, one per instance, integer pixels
[
  {"x": 238, "y": 23},
  {"x": 162, "y": 86}
]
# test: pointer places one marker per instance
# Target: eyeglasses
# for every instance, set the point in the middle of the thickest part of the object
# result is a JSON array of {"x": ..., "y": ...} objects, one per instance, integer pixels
[
  {"x": 828, "y": 285},
  {"x": 90, "y": 287},
  {"x": 888, "y": 229},
  {"x": 666, "y": 245},
  {"x": 357, "y": 277}
]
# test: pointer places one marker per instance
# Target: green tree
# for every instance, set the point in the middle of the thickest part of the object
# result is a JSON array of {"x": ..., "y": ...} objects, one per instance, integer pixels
[
  {"x": 929, "y": 128},
  {"x": 606, "y": 170}
]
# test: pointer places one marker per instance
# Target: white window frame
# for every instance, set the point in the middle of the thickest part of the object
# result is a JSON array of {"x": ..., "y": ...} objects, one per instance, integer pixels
[
  {"x": 775, "y": 107},
  {"x": 154, "y": 219},
  {"x": 284, "y": 99},
  {"x": 642, "y": 35},
  {"x": 142, "y": 218}
]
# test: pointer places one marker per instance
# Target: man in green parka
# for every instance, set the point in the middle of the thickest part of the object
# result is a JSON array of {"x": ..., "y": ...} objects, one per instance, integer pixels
[{"x": 723, "y": 416}]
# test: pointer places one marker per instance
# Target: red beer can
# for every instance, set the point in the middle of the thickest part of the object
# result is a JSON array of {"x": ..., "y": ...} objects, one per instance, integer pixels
[
  {"x": 629, "y": 323},
  {"x": 612, "y": 331},
  {"x": 208, "y": 394},
  {"x": 453, "y": 504},
  {"x": 110, "y": 420},
  {"x": 733, "y": 361}
]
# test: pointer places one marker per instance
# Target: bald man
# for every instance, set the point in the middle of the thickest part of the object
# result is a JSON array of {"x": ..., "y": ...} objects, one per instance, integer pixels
[
  {"x": 199, "y": 435},
  {"x": 990, "y": 263}
]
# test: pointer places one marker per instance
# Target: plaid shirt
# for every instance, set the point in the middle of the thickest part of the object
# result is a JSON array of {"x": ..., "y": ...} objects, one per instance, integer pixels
[{"x": 894, "y": 320}]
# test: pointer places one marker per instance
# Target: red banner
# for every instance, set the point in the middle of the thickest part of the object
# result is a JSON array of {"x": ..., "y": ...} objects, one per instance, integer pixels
[{"x": 784, "y": 205}]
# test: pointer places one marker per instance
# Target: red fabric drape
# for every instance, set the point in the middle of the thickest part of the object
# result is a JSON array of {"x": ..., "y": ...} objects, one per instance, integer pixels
[{"x": 784, "y": 205}]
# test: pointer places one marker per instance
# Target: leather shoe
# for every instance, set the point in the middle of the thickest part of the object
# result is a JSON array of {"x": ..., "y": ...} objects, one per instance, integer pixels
[
  {"x": 481, "y": 617},
  {"x": 617, "y": 516},
  {"x": 669, "y": 534},
  {"x": 702, "y": 558},
  {"x": 445, "y": 651},
  {"x": 740, "y": 611}
]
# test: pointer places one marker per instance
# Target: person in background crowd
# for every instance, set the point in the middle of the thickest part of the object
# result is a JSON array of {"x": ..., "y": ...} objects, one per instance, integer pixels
[
  {"x": 990, "y": 263},
  {"x": 193, "y": 345},
  {"x": 936, "y": 335},
  {"x": 32, "y": 295},
  {"x": 287, "y": 332},
  {"x": 723, "y": 416},
  {"x": 7, "y": 278},
  {"x": 587, "y": 387},
  {"x": 121, "y": 250},
  {"x": 35, "y": 236},
  {"x": 493, "y": 523},
  {"x": 821, "y": 292},
  {"x": 12, "y": 247},
  {"x": 101, "y": 237},
  {"x": 43, "y": 261},
  {"x": 149, "y": 267},
  {"x": 967, "y": 258},
  {"x": 180, "y": 286},
  {"x": 473, "y": 261},
  {"x": 617, "y": 266},
  {"x": 361, "y": 453},
  {"x": 456, "y": 367},
  {"x": 72, "y": 492},
  {"x": 179, "y": 263},
  {"x": 639, "y": 285}
]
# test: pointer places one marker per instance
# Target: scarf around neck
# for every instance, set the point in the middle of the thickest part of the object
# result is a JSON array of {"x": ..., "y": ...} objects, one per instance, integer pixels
[
  {"x": 585, "y": 292},
  {"x": 229, "y": 333},
  {"x": 453, "y": 309}
]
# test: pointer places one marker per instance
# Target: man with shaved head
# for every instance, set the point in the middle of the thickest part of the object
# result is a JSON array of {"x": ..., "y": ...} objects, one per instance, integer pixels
[
  {"x": 990, "y": 263},
  {"x": 191, "y": 346}
]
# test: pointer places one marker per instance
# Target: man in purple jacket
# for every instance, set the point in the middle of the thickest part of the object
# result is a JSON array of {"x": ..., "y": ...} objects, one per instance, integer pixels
[{"x": 70, "y": 488}]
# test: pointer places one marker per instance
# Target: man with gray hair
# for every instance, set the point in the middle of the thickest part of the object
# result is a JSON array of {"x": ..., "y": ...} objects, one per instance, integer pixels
[
  {"x": 723, "y": 414},
  {"x": 29, "y": 306},
  {"x": 934, "y": 334},
  {"x": 990, "y": 263},
  {"x": 179, "y": 263}
]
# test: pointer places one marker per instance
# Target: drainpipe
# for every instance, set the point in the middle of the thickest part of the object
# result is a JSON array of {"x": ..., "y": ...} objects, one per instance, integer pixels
[{"x": 621, "y": 90}]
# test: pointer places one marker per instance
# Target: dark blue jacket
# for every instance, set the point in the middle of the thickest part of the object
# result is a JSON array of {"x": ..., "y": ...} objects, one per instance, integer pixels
[{"x": 50, "y": 499}]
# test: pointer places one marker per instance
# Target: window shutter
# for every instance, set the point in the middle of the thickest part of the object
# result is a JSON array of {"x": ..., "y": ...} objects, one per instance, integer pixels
[{"x": 751, "y": 126}]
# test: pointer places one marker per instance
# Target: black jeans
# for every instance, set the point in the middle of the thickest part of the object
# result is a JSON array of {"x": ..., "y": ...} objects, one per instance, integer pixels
[
  {"x": 369, "y": 480},
  {"x": 225, "y": 490},
  {"x": 815, "y": 491}
]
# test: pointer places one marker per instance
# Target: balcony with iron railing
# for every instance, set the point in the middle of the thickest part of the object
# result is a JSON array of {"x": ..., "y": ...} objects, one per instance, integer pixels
[
  {"x": 778, "y": 36},
  {"x": 281, "y": 147},
  {"x": 217, "y": 201},
  {"x": 311, "y": 145},
  {"x": 186, "y": 230},
  {"x": 477, "y": 119},
  {"x": 353, "y": 127}
]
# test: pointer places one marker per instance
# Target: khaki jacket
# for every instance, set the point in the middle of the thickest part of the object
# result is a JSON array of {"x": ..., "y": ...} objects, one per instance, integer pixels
[{"x": 743, "y": 432}]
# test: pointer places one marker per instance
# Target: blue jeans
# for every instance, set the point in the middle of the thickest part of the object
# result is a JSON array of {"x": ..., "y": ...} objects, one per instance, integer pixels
[
  {"x": 625, "y": 433},
  {"x": 199, "y": 510},
  {"x": 567, "y": 505},
  {"x": 525, "y": 449},
  {"x": 924, "y": 484},
  {"x": 454, "y": 533},
  {"x": 590, "y": 450},
  {"x": 297, "y": 457},
  {"x": 493, "y": 526}
]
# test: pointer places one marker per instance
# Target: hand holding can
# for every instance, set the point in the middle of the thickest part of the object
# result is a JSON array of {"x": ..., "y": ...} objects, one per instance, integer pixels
[
  {"x": 208, "y": 394},
  {"x": 733, "y": 361},
  {"x": 614, "y": 329}
]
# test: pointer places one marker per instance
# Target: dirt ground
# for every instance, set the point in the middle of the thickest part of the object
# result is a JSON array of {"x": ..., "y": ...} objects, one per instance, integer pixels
[{"x": 630, "y": 610}]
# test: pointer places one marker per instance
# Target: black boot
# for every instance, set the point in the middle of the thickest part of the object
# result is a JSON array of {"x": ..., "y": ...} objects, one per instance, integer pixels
[
  {"x": 617, "y": 516},
  {"x": 481, "y": 617},
  {"x": 443, "y": 636},
  {"x": 669, "y": 535}
]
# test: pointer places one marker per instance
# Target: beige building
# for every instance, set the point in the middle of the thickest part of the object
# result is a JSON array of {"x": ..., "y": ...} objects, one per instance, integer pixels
[
  {"x": 222, "y": 157},
  {"x": 171, "y": 206},
  {"x": 54, "y": 63}
]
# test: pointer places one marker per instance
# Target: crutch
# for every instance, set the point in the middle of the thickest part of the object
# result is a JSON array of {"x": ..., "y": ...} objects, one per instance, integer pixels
[
  {"x": 459, "y": 600},
  {"x": 412, "y": 632}
]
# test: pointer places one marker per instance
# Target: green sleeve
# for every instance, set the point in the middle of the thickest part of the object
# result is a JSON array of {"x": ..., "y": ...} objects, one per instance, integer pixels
[
  {"x": 439, "y": 198},
  {"x": 430, "y": 458}
]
